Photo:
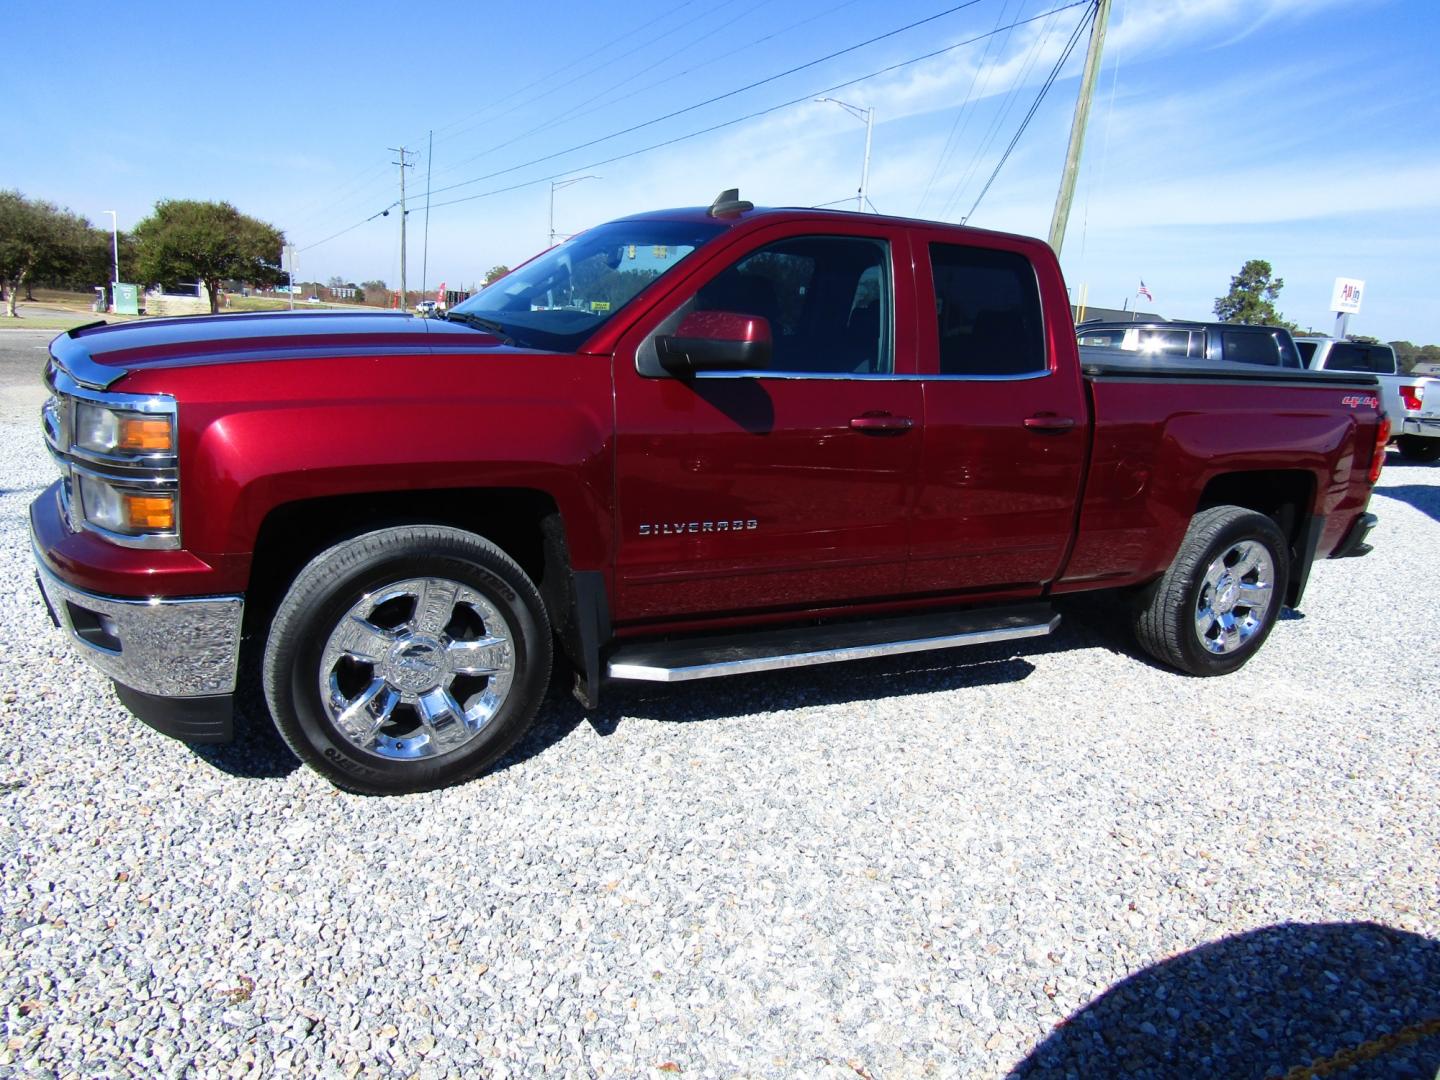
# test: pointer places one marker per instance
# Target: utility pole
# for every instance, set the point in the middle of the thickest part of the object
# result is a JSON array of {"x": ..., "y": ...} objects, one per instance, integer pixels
[
  {"x": 290, "y": 258},
  {"x": 403, "y": 166},
  {"x": 115, "y": 251},
  {"x": 425, "y": 248},
  {"x": 1088, "y": 79}
]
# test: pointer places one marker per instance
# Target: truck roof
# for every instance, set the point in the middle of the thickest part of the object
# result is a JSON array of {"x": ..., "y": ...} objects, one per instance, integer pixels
[{"x": 770, "y": 214}]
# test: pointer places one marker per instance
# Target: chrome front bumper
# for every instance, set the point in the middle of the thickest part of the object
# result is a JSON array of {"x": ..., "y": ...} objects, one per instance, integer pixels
[{"x": 187, "y": 647}]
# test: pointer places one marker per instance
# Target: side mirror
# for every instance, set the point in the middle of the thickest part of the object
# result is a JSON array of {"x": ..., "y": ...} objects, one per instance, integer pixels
[{"x": 715, "y": 341}]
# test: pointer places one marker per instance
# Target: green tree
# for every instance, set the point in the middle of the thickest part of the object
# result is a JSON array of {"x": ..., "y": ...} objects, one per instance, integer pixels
[
  {"x": 496, "y": 273},
  {"x": 185, "y": 239},
  {"x": 41, "y": 243},
  {"x": 1252, "y": 296}
]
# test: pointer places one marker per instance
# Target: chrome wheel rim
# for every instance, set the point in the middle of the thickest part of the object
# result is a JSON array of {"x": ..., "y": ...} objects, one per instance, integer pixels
[
  {"x": 417, "y": 669},
  {"x": 1235, "y": 597}
]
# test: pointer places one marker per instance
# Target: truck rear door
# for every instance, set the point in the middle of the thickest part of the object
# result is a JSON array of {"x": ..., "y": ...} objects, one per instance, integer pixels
[{"x": 1007, "y": 424}]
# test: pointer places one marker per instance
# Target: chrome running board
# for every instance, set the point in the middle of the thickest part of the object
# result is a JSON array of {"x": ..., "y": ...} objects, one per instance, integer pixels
[{"x": 774, "y": 650}]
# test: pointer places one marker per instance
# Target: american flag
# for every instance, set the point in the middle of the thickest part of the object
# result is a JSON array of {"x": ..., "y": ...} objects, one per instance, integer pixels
[{"x": 1145, "y": 292}]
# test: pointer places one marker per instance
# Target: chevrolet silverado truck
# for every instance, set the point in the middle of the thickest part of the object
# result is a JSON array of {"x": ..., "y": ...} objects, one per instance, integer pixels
[
  {"x": 1412, "y": 402},
  {"x": 681, "y": 445}
]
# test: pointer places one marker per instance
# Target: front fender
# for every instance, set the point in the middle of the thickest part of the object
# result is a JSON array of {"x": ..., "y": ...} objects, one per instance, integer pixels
[{"x": 538, "y": 423}]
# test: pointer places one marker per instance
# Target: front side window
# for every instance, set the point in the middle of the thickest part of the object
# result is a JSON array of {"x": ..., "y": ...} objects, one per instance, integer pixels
[
  {"x": 987, "y": 307},
  {"x": 827, "y": 300},
  {"x": 559, "y": 299}
]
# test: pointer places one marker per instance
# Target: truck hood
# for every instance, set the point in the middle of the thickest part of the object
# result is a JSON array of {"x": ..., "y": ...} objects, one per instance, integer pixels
[{"x": 98, "y": 356}]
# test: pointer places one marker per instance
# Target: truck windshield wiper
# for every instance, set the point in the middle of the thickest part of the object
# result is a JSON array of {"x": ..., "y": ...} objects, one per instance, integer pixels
[{"x": 479, "y": 322}]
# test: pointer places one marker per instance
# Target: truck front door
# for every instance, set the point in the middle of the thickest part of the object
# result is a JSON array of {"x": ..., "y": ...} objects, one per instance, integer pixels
[{"x": 787, "y": 488}]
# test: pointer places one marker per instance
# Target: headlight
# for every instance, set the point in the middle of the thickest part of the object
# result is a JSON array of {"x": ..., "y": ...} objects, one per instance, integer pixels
[
  {"x": 103, "y": 430},
  {"x": 119, "y": 461},
  {"x": 126, "y": 510}
]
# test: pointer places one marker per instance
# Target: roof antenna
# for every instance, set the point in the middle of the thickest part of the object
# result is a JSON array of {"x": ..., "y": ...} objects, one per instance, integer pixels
[{"x": 729, "y": 203}]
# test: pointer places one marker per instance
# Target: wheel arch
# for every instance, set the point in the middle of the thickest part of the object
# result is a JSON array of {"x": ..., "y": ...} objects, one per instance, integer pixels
[
  {"x": 525, "y": 523},
  {"x": 1285, "y": 496}
]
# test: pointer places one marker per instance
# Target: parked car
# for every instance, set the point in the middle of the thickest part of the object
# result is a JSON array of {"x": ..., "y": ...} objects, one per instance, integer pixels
[
  {"x": 1271, "y": 346},
  {"x": 426, "y": 307},
  {"x": 682, "y": 445},
  {"x": 1411, "y": 401}
]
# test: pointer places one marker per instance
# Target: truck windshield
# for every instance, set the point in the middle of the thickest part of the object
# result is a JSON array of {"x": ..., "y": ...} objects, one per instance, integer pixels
[{"x": 560, "y": 298}]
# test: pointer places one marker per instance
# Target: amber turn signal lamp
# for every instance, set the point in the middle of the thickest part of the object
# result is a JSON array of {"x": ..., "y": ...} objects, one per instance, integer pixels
[
  {"x": 150, "y": 513},
  {"x": 144, "y": 433}
]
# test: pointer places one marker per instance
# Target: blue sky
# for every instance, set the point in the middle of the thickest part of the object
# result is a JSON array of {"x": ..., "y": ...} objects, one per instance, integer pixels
[{"x": 1299, "y": 131}]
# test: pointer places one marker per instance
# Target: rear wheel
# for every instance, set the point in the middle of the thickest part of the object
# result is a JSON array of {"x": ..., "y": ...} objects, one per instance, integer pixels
[
  {"x": 1216, "y": 605},
  {"x": 407, "y": 659},
  {"x": 1418, "y": 448}
]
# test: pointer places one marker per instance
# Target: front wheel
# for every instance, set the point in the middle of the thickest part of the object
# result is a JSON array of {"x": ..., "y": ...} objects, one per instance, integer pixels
[
  {"x": 407, "y": 659},
  {"x": 1418, "y": 448},
  {"x": 1216, "y": 605}
]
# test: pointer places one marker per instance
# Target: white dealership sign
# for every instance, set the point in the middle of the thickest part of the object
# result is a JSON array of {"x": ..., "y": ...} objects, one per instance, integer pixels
[{"x": 1346, "y": 297}]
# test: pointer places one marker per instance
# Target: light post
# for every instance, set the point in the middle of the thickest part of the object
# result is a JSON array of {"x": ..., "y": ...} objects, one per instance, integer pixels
[
  {"x": 115, "y": 253},
  {"x": 555, "y": 185},
  {"x": 867, "y": 117}
]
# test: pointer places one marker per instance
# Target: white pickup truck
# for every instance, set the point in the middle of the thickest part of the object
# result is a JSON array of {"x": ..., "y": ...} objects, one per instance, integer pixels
[{"x": 1411, "y": 401}]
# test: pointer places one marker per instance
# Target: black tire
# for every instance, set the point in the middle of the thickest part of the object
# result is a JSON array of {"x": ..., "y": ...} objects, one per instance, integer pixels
[
  {"x": 326, "y": 594},
  {"x": 1168, "y": 613},
  {"x": 1418, "y": 448}
]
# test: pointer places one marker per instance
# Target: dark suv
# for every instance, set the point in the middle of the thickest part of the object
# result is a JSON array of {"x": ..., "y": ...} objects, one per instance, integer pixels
[{"x": 1269, "y": 345}]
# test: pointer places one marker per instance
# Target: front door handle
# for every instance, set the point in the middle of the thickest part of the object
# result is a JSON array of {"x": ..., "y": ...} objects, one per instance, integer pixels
[
  {"x": 882, "y": 422},
  {"x": 1049, "y": 422}
]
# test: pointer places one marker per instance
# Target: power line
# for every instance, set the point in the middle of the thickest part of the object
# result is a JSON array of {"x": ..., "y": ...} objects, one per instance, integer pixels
[
  {"x": 712, "y": 100},
  {"x": 585, "y": 74},
  {"x": 577, "y": 111},
  {"x": 569, "y": 65},
  {"x": 1000, "y": 118},
  {"x": 330, "y": 206},
  {"x": 1034, "y": 108},
  {"x": 952, "y": 139},
  {"x": 757, "y": 113},
  {"x": 713, "y": 127},
  {"x": 603, "y": 103}
]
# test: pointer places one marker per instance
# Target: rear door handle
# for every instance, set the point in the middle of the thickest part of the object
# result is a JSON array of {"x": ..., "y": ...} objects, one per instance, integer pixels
[
  {"x": 1049, "y": 422},
  {"x": 878, "y": 421}
]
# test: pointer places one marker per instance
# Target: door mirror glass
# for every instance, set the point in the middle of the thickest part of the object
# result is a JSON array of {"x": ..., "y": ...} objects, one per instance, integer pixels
[{"x": 715, "y": 341}]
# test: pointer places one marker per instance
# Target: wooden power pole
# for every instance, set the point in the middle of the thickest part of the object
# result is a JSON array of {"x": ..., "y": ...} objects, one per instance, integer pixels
[
  {"x": 1088, "y": 80},
  {"x": 404, "y": 299}
]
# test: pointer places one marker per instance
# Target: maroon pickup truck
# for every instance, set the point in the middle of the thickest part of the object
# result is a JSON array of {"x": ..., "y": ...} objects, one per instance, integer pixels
[{"x": 681, "y": 445}]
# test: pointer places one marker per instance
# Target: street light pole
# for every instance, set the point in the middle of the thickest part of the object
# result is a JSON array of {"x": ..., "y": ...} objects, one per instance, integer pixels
[
  {"x": 867, "y": 117},
  {"x": 115, "y": 253},
  {"x": 556, "y": 185}
]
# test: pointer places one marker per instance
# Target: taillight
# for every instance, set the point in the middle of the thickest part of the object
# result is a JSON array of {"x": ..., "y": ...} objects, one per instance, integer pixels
[
  {"x": 1413, "y": 396},
  {"x": 1382, "y": 436}
]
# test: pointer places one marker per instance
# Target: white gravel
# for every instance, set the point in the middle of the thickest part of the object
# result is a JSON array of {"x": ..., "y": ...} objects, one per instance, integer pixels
[{"x": 935, "y": 867}]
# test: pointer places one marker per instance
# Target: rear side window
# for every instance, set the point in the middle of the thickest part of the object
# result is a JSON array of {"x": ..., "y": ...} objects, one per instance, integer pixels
[
  {"x": 987, "y": 308},
  {"x": 1348, "y": 356},
  {"x": 1307, "y": 351},
  {"x": 1249, "y": 348}
]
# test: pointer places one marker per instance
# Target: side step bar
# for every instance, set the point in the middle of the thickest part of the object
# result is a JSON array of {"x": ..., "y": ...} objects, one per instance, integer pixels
[{"x": 773, "y": 650}]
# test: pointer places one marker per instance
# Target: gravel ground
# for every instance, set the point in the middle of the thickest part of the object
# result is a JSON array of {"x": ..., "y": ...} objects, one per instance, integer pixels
[{"x": 1056, "y": 860}]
